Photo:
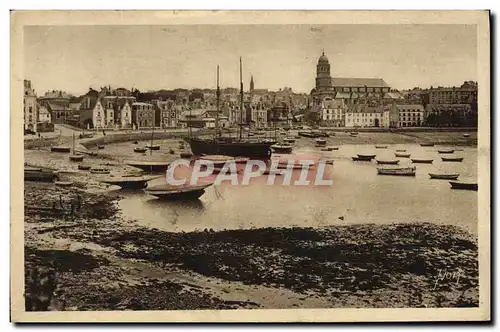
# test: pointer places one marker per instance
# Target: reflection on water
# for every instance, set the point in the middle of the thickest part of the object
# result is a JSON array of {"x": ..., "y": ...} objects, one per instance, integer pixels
[{"x": 358, "y": 195}]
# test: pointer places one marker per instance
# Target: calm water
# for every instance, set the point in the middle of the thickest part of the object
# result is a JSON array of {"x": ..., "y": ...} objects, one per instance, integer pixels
[{"x": 358, "y": 195}]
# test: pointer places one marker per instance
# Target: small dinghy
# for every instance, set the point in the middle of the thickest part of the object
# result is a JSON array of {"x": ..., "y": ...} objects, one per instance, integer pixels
[
  {"x": 366, "y": 156},
  {"x": 153, "y": 147},
  {"x": 388, "y": 162},
  {"x": 83, "y": 167},
  {"x": 289, "y": 140},
  {"x": 130, "y": 181},
  {"x": 140, "y": 150},
  {"x": 63, "y": 183},
  {"x": 282, "y": 148},
  {"x": 320, "y": 142},
  {"x": 446, "y": 151},
  {"x": 400, "y": 150},
  {"x": 362, "y": 158},
  {"x": 466, "y": 135},
  {"x": 421, "y": 161},
  {"x": 402, "y": 154},
  {"x": 76, "y": 157},
  {"x": 171, "y": 192},
  {"x": 353, "y": 133},
  {"x": 135, "y": 142},
  {"x": 426, "y": 144},
  {"x": 100, "y": 146},
  {"x": 186, "y": 155},
  {"x": 149, "y": 166},
  {"x": 380, "y": 146},
  {"x": 444, "y": 176},
  {"x": 452, "y": 159},
  {"x": 61, "y": 149},
  {"x": 401, "y": 171},
  {"x": 99, "y": 170},
  {"x": 327, "y": 149},
  {"x": 464, "y": 185}
]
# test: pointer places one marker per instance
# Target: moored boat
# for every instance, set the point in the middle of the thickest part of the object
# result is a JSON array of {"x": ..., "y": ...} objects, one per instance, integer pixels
[
  {"x": 153, "y": 147},
  {"x": 61, "y": 149},
  {"x": 149, "y": 166},
  {"x": 282, "y": 148},
  {"x": 130, "y": 181},
  {"x": 63, "y": 183},
  {"x": 100, "y": 146},
  {"x": 446, "y": 151},
  {"x": 320, "y": 142},
  {"x": 388, "y": 162},
  {"x": 76, "y": 157},
  {"x": 401, "y": 171},
  {"x": 380, "y": 146},
  {"x": 421, "y": 161},
  {"x": 444, "y": 176},
  {"x": 363, "y": 158},
  {"x": 464, "y": 185},
  {"x": 426, "y": 144},
  {"x": 171, "y": 192},
  {"x": 289, "y": 140},
  {"x": 367, "y": 156},
  {"x": 402, "y": 154},
  {"x": 466, "y": 135},
  {"x": 83, "y": 167},
  {"x": 452, "y": 159},
  {"x": 140, "y": 150},
  {"x": 99, "y": 170},
  {"x": 353, "y": 133},
  {"x": 328, "y": 148},
  {"x": 400, "y": 150}
]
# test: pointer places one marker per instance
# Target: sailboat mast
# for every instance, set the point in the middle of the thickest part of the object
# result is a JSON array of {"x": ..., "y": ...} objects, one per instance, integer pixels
[
  {"x": 74, "y": 145},
  {"x": 241, "y": 98},
  {"x": 152, "y": 133},
  {"x": 217, "y": 103}
]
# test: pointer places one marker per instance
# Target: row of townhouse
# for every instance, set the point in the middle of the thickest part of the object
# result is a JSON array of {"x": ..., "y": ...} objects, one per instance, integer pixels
[{"x": 336, "y": 113}]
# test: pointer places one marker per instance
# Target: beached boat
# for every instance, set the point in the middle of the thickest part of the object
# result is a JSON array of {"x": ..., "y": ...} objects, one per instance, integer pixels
[
  {"x": 186, "y": 155},
  {"x": 320, "y": 142},
  {"x": 76, "y": 157},
  {"x": 446, "y": 151},
  {"x": 83, "y": 167},
  {"x": 444, "y": 176},
  {"x": 130, "y": 181},
  {"x": 99, "y": 170},
  {"x": 353, "y": 133},
  {"x": 466, "y": 135},
  {"x": 452, "y": 159},
  {"x": 401, "y": 171},
  {"x": 358, "y": 158},
  {"x": 100, "y": 146},
  {"x": 39, "y": 174},
  {"x": 426, "y": 144},
  {"x": 402, "y": 154},
  {"x": 153, "y": 147},
  {"x": 63, "y": 183},
  {"x": 61, "y": 149},
  {"x": 140, "y": 150},
  {"x": 367, "y": 156},
  {"x": 282, "y": 148},
  {"x": 380, "y": 146},
  {"x": 309, "y": 133},
  {"x": 421, "y": 161},
  {"x": 171, "y": 192},
  {"x": 289, "y": 140},
  {"x": 148, "y": 166},
  {"x": 329, "y": 148},
  {"x": 388, "y": 162},
  {"x": 135, "y": 142},
  {"x": 464, "y": 185},
  {"x": 400, "y": 150}
]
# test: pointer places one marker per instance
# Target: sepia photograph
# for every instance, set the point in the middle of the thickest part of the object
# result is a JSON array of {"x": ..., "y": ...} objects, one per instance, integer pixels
[{"x": 215, "y": 165}]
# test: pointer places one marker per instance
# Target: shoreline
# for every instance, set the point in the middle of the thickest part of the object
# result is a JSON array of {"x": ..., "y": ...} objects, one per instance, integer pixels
[{"x": 321, "y": 267}]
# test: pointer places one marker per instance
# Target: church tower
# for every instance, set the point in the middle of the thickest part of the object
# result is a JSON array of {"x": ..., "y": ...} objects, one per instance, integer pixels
[
  {"x": 251, "y": 84},
  {"x": 324, "y": 86}
]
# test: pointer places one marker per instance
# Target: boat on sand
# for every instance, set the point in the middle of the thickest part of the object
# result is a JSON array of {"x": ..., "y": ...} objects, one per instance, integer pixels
[
  {"x": 444, "y": 176},
  {"x": 171, "y": 192},
  {"x": 388, "y": 162},
  {"x": 421, "y": 161},
  {"x": 401, "y": 171},
  {"x": 464, "y": 185}
]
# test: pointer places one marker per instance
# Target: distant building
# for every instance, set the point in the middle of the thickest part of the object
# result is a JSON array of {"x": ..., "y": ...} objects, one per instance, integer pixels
[
  {"x": 57, "y": 103},
  {"x": 30, "y": 107},
  {"x": 410, "y": 115},
  {"x": 143, "y": 115},
  {"x": 362, "y": 115},
  {"x": 333, "y": 112},
  {"x": 323, "y": 88},
  {"x": 465, "y": 94}
]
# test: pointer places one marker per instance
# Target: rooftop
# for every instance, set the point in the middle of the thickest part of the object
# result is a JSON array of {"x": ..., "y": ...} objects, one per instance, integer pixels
[{"x": 359, "y": 82}]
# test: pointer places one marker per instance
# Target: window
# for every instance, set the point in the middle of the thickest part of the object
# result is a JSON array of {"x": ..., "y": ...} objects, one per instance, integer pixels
[{"x": 31, "y": 109}]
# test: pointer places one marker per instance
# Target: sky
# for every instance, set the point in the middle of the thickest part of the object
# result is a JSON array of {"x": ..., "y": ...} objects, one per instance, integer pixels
[{"x": 74, "y": 58}]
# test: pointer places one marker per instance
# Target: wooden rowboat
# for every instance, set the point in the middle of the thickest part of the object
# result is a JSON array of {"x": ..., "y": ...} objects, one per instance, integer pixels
[
  {"x": 320, "y": 142},
  {"x": 63, "y": 183},
  {"x": 153, "y": 147},
  {"x": 362, "y": 158},
  {"x": 466, "y": 135},
  {"x": 62, "y": 149},
  {"x": 401, "y": 150},
  {"x": 76, "y": 157},
  {"x": 402, "y": 154},
  {"x": 463, "y": 185},
  {"x": 99, "y": 170},
  {"x": 171, "y": 192},
  {"x": 285, "y": 148},
  {"x": 140, "y": 150},
  {"x": 83, "y": 167},
  {"x": 444, "y": 176},
  {"x": 149, "y": 166},
  {"x": 446, "y": 151},
  {"x": 453, "y": 159},
  {"x": 130, "y": 181},
  {"x": 426, "y": 144},
  {"x": 367, "y": 156},
  {"x": 388, "y": 162},
  {"x": 421, "y": 161},
  {"x": 380, "y": 146},
  {"x": 400, "y": 171}
]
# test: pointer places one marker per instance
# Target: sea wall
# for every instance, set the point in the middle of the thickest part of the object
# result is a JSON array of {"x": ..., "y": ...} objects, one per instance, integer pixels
[{"x": 402, "y": 130}]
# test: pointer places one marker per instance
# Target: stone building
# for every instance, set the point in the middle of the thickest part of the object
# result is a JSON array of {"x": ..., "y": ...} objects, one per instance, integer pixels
[{"x": 30, "y": 107}]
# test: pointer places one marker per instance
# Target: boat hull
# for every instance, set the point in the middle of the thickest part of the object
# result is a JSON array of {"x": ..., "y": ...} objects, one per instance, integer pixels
[
  {"x": 444, "y": 176},
  {"x": 156, "y": 168},
  {"x": 40, "y": 176},
  {"x": 201, "y": 147},
  {"x": 456, "y": 160},
  {"x": 446, "y": 151},
  {"x": 282, "y": 150},
  {"x": 397, "y": 172},
  {"x": 362, "y": 158},
  {"x": 426, "y": 144},
  {"x": 463, "y": 186},
  {"x": 60, "y": 149},
  {"x": 422, "y": 161},
  {"x": 387, "y": 162}
]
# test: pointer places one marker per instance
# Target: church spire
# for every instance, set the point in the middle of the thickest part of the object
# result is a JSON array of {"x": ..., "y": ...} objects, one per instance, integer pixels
[{"x": 251, "y": 83}]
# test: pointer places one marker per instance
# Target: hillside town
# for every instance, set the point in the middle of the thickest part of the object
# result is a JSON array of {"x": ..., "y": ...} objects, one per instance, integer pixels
[{"x": 333, "y": 102}]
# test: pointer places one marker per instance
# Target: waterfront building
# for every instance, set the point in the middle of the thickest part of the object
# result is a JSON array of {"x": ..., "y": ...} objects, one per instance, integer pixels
[
  {"x": 362, "y": 115},
  {"x": 57, "y": 103},
  {"x": 410, "y": 115},
  {"x": 333, "y": 112},
  {"x": 465, "y": 94},
  {"x": 143, "y": 115},
  {"x": 259, "y": 115},
  {"x": 30, "y": 107}
]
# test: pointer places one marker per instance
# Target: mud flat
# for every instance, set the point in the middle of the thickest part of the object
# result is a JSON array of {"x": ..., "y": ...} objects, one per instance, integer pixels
[{"x": 96, "y": 260}]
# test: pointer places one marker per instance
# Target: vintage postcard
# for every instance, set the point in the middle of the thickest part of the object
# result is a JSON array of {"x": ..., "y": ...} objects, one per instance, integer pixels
[{"x": 227, "y": 166}]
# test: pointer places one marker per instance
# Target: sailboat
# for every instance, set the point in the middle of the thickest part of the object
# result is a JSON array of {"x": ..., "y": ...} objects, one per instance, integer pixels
[
  {"x": 230, "y": 146},
  {"x": 74, "y": 156}
]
